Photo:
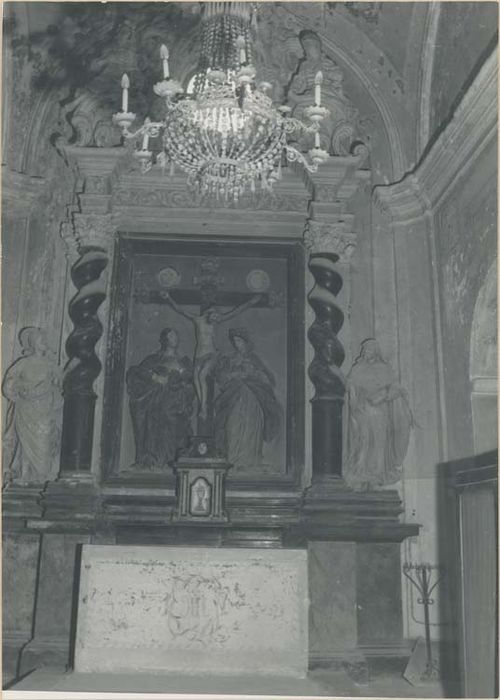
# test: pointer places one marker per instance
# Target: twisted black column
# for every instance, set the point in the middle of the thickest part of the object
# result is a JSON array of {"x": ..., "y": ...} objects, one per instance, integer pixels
[
  {"x": 83, "y": 365},
  {"x": 324, "y": 372}
]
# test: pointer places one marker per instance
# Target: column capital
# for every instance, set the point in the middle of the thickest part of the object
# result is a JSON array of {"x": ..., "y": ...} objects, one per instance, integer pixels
[
  {"x": 330, "y": 237},
  {"x": 94, "y": 230}
]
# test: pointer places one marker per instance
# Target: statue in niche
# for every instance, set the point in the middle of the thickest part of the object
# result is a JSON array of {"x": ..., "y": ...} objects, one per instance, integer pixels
[
  {"x": 338, "y": 128},
  {"x": 205, "y": 353},
  {"x": 247, "y": 412},
  {"x": 161, "y": 403},
  {"x": 379, "y": 421},
  {"x": 33, "y": 386}
]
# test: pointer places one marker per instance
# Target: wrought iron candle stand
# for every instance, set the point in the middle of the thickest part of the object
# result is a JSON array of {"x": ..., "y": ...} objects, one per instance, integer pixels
[{"x": 422, "y": 579}]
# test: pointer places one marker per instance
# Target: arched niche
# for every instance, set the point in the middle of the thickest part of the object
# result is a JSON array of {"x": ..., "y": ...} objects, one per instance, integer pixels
[{"x": 483, "y": 364}]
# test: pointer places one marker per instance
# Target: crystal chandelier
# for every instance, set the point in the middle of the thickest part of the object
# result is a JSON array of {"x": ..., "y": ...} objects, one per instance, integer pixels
[{"x": 226, "y": 135}]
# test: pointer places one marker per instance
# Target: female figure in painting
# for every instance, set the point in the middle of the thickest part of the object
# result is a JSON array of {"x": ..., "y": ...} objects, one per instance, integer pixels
[
  {"x": 161, "y": 403},
  {"x": 34, "y": 414},
  {"x": 379, "y": 422},
  {"x": 247, "y": 413}
]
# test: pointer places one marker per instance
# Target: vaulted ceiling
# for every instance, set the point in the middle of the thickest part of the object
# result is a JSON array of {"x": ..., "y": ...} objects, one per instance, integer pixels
[{"x": 404, "y": 64}]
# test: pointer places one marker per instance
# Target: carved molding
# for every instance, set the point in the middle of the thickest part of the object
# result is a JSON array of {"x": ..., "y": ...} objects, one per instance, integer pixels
[
  {"x": 184, "y": 199},
  {"x": 472, "y": 129},
  {"x": 94, "y": 230},
  {"x": 323, "y": 237}
]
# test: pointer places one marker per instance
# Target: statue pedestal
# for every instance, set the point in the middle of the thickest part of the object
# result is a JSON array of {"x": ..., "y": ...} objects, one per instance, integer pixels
[{"x": 200, "y": 485}]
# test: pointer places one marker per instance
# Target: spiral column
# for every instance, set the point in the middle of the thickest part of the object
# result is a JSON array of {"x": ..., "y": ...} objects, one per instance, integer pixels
[
  {"x": 324, "y": 371},
  {"x": 93, "y": 234}
]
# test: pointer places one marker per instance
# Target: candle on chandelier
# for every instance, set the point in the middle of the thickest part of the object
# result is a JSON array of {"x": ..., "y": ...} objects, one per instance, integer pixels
[
  {"x": 125, "y": 87},
  {"x": 145, "y": 138},
  {"x": 318, "y": 79},
  {"x": 240, "y": 44},
  {"x": 164, "y": 57},
  {"x": 316, "y": 140}
]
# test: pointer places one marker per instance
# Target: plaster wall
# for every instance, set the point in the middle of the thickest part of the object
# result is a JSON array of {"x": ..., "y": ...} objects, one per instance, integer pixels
[
  {"x": 465, "y": 233},
  {"x": 466, "y": 30}
]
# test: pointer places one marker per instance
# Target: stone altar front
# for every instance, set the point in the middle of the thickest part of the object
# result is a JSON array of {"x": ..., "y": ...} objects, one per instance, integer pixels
[{"x": 192, "y": 610}]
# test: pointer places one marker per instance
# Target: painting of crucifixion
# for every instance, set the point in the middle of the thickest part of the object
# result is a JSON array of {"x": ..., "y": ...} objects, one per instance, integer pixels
[{"x": 206, "y": 354}]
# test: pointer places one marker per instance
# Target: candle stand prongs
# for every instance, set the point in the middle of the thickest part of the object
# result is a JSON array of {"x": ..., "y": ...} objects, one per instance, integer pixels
[{"x": 425, "y": 577}]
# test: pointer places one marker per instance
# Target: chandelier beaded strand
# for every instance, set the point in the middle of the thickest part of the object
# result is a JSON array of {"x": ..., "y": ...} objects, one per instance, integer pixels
[{"x": 227, "y": 135}]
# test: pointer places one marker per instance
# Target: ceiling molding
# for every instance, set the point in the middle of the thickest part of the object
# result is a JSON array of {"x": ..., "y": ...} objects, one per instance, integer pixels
[
  {"x": 472, "y": 128},
  {"x": 426, "y": 72}
]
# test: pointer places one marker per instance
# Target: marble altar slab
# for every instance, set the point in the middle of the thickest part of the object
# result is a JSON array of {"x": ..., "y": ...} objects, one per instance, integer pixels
[{"x": 192, "y": 610}]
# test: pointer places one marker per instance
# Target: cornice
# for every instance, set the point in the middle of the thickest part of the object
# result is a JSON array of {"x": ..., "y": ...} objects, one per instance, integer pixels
[{"x": 472, "y": 128}]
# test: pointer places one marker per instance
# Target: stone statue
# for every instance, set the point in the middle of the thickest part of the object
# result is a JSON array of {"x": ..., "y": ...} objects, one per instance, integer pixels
[
  {"x": 247, "y": 412},
  {"x": 32, "y": 384},
  {"x": 338, "y": 128},
  {"x": 161, "y": 398},
  {"x": 379, "y": 421}
]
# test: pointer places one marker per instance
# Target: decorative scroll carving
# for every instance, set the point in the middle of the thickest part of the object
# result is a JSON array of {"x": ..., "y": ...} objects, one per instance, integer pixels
[
  {"x": 326, "y": 237},
  {"x": 327, "y": 378},
  {"x": 338, "y": 130},
  {"x": 184, "y": 199}
]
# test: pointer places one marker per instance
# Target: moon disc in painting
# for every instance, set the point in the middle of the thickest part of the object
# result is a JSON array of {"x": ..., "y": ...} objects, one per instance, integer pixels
[{"x": 258, "y": 281}]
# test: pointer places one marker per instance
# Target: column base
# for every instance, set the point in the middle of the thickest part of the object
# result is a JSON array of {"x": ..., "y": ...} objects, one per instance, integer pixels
[{"x": 73, "y": 496}]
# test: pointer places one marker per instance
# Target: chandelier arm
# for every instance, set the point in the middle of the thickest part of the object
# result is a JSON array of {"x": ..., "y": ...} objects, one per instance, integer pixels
[
  {"x": 291, "y": 124},
  {"x": 152, "y": 129},
  {"x": 294, "y": 155}
]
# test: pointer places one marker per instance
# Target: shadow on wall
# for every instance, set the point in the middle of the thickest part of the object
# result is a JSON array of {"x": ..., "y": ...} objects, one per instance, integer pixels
[{"x": 467, "y": 546}]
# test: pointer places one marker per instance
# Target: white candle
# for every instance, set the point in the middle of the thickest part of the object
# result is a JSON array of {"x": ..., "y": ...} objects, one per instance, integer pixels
[
  {"x": 125, "y": 86},
  {"x": 317, "y": 88},
  {"x": 240, "y": 44},
  {"x": 145, "y": 138},
  {"x": 164, "y": 57},
  {"x": 316, "y": 140}
]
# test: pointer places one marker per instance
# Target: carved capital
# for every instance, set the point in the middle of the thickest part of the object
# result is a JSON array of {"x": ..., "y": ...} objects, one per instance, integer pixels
[
  {"x": 325, "y": 237},
  {"x": 94, "y": 230}
]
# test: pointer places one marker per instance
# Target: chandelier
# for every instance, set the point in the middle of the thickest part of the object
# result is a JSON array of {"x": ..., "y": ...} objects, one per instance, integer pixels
[{"x": 226, "y": 134}]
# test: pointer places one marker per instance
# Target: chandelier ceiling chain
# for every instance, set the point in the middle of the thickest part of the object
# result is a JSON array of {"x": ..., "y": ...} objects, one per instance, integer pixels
[{"x": 227, "y": 135}]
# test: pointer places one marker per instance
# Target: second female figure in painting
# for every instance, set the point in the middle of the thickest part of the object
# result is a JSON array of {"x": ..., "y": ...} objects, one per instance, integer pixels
[
  {"x": 247, "y": 412},
  {"x": 161, "y": 403}
]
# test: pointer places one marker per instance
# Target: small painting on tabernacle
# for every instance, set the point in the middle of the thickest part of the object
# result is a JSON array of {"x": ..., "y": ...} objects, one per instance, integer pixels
[{"x": 201, "y": 348}]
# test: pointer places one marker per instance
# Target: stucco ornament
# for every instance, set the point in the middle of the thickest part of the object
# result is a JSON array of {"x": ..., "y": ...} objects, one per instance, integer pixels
[
  {"x": 324, "y": 237},
  {"x": 379, "y": 421},
  {"x": 338, "y": 129},
  {"x": 32, "y": 385}
]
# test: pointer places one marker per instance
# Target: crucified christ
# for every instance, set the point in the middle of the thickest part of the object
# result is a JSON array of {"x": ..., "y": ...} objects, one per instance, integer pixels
[{"x": 205, "y": 352}]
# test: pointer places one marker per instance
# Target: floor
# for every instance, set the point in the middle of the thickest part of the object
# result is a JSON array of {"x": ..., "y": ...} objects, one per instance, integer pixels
[{"x": 317, "y": 684}]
